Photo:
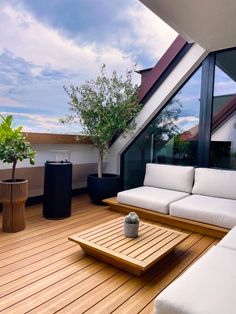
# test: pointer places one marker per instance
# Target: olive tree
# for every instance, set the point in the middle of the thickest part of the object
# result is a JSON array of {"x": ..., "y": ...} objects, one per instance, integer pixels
[{"x": 106, "y": 107}]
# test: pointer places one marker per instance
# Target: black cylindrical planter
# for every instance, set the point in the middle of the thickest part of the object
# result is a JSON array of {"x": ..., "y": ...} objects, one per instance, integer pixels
[
  {"x": 100, "y": 188},
  {"x": 57, "y": 190}
]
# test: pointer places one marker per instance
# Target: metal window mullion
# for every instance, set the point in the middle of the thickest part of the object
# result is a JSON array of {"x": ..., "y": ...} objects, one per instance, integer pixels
[{"x": 207, "y": 89}]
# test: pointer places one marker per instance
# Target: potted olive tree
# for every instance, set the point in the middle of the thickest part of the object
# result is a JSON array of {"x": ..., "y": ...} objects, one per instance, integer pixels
[
  {"x": 106, "y": 107},
  {"x": 13, "y": 192}
]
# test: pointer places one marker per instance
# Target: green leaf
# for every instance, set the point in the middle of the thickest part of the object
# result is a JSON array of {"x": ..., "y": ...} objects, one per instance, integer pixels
[{"x": 13, "y": 145}]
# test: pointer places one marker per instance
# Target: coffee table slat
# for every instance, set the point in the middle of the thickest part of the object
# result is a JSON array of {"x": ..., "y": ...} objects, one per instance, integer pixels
[
  {"x": 139, "y": 242},
  {"x": 140, "y": 247},
  {"x": 152, "y": 247},
  {"x": 163, "y": 251},
  {"x": 101, "y": 227},
  {"x": 105, "y": 234},
  {"x": 126, "y": 241},
  {"x": 113, "y": 243}
]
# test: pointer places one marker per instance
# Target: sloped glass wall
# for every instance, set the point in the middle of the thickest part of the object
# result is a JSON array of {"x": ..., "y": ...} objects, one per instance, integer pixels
[
  {"x": 170, "y": 138},
  {"x": 223, "y": 127}
]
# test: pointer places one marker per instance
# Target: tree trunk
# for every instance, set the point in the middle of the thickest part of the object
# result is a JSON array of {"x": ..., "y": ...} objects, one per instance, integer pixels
[
  {"x": 13, "y": 171},
  {"x": 100, "y": 160}
]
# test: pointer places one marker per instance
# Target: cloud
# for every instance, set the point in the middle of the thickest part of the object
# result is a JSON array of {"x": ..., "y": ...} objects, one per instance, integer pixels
[
  {"x": 186, "y": 123},
  {"x": 124, "y": 24},
  {"x": 226, "y": 87},
  {"x": 6, "y": 101},
  {"x": 188, "y": 119},
  {"x": 224, "y": 84},
  {"x": 42, "y": 123},
  {"x": 183, "y": 98},
  {"x": 31, "y": 40},
  {"x": 40, "y": 51},
  {"x": 21, "y": 88},
  {"x": 152, "y": 34}
]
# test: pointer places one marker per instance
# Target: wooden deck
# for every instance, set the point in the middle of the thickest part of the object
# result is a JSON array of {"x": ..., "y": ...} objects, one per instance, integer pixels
[{"x": 42, "y": 272}]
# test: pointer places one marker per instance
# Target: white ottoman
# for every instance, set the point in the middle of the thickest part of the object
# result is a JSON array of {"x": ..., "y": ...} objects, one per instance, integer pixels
[
  {"x": 229, "y": 241},
  {"x": 207, "y": 287}
]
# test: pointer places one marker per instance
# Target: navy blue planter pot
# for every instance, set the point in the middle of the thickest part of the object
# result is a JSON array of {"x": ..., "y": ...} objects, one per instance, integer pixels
[{"x": 100, "y": 188}]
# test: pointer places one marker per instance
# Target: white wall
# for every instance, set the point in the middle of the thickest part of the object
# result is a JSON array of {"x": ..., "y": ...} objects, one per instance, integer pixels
[
  {"x": 83, "y": 157},
  {"x": 181, "y": 72},
  {"x": 79, "y": 154}
]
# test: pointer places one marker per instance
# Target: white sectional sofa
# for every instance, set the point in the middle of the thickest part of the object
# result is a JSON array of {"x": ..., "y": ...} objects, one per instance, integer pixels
[
  {"x": 213, "y": 198},
  {"x": 207, "y": 287},
  {"x": 163, "y": 185},
  {"x": 203, "y": 195},
  {"x": 200, "y": 195}
]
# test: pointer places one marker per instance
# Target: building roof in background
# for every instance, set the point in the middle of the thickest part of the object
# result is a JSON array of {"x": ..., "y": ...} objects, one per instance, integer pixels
[
  {"x": 154, "y": 74},
  {"x": 221, "y": 117}
]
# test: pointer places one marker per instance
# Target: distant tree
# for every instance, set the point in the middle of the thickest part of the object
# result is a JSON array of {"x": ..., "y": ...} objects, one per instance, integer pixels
[
  {"x": 182, "y": 147},
  {"x": 163, "y": 127}
]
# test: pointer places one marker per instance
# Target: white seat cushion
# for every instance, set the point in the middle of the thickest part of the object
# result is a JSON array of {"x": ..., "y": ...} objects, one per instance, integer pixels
[
  {"x": 177, "y": 178},
  {"x": 207, "y": 287},
  {"x": 150, "y": 198},
  {"x": 215, "y": 182},
  {"x": 212, "y": 210},
  {"x": 229, "y": 241}
]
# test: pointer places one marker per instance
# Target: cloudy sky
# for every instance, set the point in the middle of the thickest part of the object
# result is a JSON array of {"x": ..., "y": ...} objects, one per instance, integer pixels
[{"x": 45, "y": 44}]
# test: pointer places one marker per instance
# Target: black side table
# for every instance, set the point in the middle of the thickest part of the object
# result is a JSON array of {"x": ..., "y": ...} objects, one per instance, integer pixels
[{"x": 57, "y": 190}]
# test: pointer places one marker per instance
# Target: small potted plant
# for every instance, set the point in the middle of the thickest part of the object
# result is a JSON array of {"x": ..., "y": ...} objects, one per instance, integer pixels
[
  {"x": 131, "y": 225},
  {"x": 106, "y": 108},
  {"x": 13, "y": 192}
]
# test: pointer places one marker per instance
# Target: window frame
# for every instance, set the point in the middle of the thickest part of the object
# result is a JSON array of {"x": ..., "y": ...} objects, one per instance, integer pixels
[{"x": 205, "y": 115}]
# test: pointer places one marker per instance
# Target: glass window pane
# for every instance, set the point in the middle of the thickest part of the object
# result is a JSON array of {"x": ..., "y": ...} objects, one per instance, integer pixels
[
  {"x": 170, "y": 138},
  {"x": 223, "y": 127}
]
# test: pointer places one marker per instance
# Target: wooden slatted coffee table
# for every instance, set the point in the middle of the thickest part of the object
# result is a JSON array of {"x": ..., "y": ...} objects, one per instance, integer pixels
[{"x": 108, "y": 243}]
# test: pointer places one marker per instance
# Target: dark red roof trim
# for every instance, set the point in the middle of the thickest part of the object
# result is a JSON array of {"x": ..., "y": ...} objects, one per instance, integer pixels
[
  {"x": 220, "y": 118},
  {"x": 144, "y": 70},
  {"x": 161, "y": 66},
  {"x": 228, "y": 109}
]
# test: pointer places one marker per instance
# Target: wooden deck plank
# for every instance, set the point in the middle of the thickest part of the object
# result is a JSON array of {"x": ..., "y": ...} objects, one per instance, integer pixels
[
  {"x": 42, "y": 272},
  {"x": 81, "y": 288},
  {"x": 85, "y": 302},
  {"x": 123, "y": 294},
  {"x": 23, "y": 271},
  {"x": 148, "y": 309},
  {"x": 68, "y": 274},
  {"x": 37, "y": 235},
  {"x": 155, "y": 286},
  {"x": 14, "y": 284},
  {"x": 44, "y": 242},
  {"x": 29, "y": 234}
]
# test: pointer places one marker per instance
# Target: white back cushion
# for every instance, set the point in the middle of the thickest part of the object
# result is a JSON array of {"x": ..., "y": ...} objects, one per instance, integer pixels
[
  {"x": 177, "y": 178},
  {"x": 215, "y": 182}
]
